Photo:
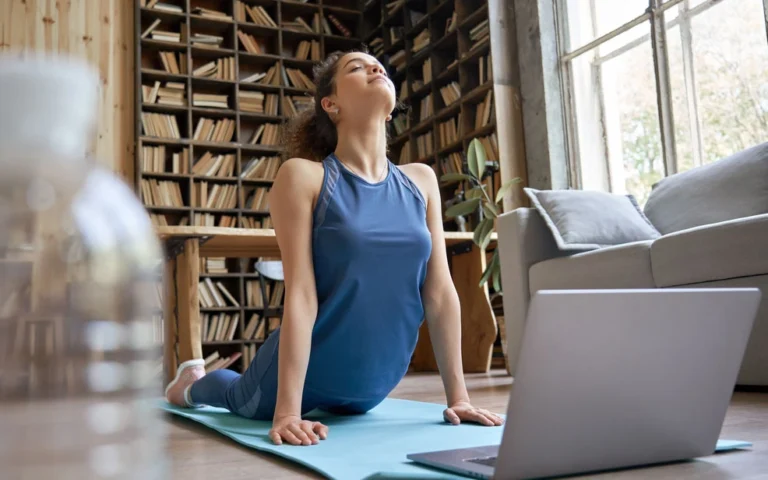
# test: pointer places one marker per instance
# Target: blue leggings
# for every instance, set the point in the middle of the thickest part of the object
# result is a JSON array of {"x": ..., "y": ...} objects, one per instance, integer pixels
[{"x": 254, "y": 393}]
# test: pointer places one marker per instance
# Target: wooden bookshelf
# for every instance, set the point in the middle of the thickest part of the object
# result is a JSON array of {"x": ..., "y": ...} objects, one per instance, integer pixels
[
  {"x": 214, "y": 82},
  {"x": 438, "y": 55},
  {"x": 238, "y": 309}
]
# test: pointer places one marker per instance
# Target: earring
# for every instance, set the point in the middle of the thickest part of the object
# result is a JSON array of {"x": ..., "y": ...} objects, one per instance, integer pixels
[{"x": 389, "y": 117}]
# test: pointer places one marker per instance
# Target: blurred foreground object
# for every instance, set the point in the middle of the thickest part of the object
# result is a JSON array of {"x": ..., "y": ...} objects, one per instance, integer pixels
[{"x": 80, "y": 279}]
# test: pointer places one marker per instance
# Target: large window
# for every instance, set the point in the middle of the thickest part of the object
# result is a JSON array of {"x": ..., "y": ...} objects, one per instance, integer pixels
[{"x": 654, "y": 87}]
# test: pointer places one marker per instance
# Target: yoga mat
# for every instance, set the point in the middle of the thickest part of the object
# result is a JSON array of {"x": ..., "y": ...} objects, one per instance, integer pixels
[{"x": 370, "y": 446}]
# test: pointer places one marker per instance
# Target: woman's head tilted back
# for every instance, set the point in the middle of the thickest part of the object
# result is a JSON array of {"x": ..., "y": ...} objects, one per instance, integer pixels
[{"x": 351, "y": 87}]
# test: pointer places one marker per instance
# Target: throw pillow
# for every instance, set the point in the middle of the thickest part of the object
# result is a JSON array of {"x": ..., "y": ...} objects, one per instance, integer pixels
[{"x": 587, "y": 220}]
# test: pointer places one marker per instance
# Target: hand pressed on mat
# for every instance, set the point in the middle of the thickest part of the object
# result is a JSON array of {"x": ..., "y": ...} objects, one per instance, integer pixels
[
  {"x": 295, "y": 431},
  {"x": 464, "y": 411}
]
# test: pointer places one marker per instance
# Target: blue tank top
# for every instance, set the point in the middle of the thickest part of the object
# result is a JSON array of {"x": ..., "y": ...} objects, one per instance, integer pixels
[{"x": 371, "y": 245}]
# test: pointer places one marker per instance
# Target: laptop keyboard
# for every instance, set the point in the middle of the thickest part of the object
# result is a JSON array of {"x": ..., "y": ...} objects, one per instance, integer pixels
[{"x": 489, "y": 461}]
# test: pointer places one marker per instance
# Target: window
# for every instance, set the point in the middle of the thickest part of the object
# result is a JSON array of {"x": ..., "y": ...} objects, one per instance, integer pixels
[{"x": 654, "y": 87}]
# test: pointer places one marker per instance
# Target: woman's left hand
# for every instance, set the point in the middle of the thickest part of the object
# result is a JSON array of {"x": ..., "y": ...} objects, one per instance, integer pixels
[{"x": 463, "y": 411}]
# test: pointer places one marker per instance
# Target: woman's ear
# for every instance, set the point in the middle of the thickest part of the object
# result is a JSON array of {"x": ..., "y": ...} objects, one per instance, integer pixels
[{"x": 329, "y": 106}]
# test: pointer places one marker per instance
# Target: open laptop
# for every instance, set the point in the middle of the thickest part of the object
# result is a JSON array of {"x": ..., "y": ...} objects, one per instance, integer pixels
[{"x": 610, "y": 379}]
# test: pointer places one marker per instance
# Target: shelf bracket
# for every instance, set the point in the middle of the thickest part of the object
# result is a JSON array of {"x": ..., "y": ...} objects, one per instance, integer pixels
[
  {"x": 174, "y": 246},
  {"x": 460, "y": 248}
]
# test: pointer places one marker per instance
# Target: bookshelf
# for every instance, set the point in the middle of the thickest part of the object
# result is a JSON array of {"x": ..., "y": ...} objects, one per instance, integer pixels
[
  {"x": 438, "y": 55},
  {"x": 238, "y": 309},
  {"x": 214, "y": 82}
]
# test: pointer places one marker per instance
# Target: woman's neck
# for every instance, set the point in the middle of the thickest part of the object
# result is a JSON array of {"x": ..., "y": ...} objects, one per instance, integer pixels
[{"x": 363, "y": 147}]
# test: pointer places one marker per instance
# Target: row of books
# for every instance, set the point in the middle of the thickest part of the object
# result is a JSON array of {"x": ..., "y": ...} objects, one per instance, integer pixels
[
  {"x": 262, "y": 168},
  {"x": 219, "y": 69},
  {"x": 448, "y": 132},
  {"x": 318, "y": 24},
  {"x": 424, "y": 145},
  {"x": 171, "y": 93},
  {"x": 212, "y": 294},
  {"x": 219, "y": 327},
  {"x": 161, "y": 193},
  {"x": 217, "y": 195},
  {"x": 215, "y": 165},
  {"x": 255, "y": 13},
  {"x": 272, "y": 295},
  {"x": 257, "y": 199},
  {"x": 160, "y": 125},
  {"x": 450, "y": 92},
  {"x": 258, "y": 102},
  {"x": 155, "y": 160}
]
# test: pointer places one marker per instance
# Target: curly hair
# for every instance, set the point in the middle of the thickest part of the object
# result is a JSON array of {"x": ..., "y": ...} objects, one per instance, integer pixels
[{"x": 312, "y": 134}]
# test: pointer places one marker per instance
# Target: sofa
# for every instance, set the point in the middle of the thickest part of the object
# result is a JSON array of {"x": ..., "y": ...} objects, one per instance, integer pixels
[{"x": 705, "y": 227}]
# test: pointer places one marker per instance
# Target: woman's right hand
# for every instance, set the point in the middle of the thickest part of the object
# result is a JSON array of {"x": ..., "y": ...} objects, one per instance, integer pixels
[{"x": 294, "y": 430}]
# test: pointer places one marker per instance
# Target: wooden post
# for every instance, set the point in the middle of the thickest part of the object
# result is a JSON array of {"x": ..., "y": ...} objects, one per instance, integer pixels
[
  {"x": 508, "y": 103},
  {"x": 188, "y": 313},
  {"x": 478, "y": 325},
  {"x": 170, "y": 352}
]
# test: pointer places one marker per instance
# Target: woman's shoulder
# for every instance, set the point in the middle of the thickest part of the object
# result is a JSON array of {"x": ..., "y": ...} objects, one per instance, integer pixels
[
  {"x": 423, "y": 176},
  {"x": 299, "y": 173}
]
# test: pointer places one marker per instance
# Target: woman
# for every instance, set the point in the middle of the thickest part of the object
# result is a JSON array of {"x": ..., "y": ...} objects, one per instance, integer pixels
[{"x": 363, "y": 255}]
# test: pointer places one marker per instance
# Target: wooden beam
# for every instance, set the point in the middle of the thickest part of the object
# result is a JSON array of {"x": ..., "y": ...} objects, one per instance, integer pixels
[
  {"x": 171, "y": 323},
  {"x": 507, "y": 99},
  {"x": 99, "y": 31},
  {"x": 188, "y": 311},
  {"x": 478, "y": 324}
]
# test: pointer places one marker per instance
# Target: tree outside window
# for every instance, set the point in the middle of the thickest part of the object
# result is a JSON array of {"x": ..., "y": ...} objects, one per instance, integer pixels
[{"x": 656, "y": 87}]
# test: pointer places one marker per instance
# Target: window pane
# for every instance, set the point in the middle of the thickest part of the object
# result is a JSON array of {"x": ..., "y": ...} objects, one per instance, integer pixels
[
  {"x": 619, "y": 143},
  {"x": 590, "y": 19},
  {"x": 730, "y": 59},
  {"x": 722, "y": 92}
]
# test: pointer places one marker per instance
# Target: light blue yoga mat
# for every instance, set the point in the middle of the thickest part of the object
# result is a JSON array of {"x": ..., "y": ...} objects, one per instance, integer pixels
[{"x": 370, "y": 446}]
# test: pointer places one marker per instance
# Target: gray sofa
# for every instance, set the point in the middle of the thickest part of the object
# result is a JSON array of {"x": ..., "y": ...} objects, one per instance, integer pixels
[{"x": 712, "y": 224}]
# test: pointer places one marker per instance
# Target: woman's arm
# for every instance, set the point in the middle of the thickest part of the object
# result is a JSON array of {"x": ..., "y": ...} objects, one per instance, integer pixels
[
  {"x": 291, "y": 202},
  {"x": 443, "y": 310},
  {"x": 441, "y": 302}
]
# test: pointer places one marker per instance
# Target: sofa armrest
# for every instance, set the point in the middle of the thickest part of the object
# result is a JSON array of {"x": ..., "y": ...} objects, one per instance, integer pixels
[
  {"x": 523, "y": 240},
  {"x": 729, "y": 249}
]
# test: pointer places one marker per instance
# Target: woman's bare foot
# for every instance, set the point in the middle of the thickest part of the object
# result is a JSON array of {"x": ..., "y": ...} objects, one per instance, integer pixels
[{"x": 188, "y": 373}]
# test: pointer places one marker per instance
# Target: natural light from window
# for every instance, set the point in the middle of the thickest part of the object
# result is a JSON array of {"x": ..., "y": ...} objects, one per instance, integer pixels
[{"x": 718, "y": 75}]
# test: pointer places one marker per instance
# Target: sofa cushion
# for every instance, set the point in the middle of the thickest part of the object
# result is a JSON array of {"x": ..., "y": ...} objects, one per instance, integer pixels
[
  {"x": 733, "y": 187},
  {"x": 622, "y": 266},
  {"x": 582, "y": 220},
  {"x": 736, "y": 248}
]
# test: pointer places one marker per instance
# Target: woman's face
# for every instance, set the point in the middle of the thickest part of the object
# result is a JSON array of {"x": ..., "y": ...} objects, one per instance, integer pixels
[{"x": 362, "y": 87}]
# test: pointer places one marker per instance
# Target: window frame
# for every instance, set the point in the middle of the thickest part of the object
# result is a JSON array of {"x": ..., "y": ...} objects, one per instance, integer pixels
[{"x": 654, "y": 15}]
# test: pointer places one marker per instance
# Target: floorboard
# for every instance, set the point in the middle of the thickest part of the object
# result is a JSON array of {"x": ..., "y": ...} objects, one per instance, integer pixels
[{"x": 197, "y": 453}]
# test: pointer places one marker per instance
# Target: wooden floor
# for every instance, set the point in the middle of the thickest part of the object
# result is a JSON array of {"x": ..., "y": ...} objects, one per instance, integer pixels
[{"x": 198, "y": 453}]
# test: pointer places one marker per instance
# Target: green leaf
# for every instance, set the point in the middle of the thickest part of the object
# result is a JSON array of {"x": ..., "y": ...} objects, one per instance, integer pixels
[
  {"x": 481, "y": 158},
  {"x": 497, "y": 278},
  {"x": 464, "y": 208},
  {"x": 476, "y": 158},
  {"x": 455, "y": 177},
  {"x": 481, "y": 231},
  {"x": 486, "y": 239},
  {"x": 506, "y": 188},
  {"x": 475, "y": 192},
  {"x": 493, "y": 265},
  {"x": 490, "y": 210},
  {"x": 486, "y": 274}
]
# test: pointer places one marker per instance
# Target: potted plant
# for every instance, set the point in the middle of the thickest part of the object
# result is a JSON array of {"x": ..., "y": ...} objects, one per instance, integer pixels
[{"x": 478, "y": 200}]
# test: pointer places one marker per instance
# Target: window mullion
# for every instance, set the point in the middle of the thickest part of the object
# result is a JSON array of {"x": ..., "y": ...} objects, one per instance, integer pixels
[
  {"x": 691, "y": 93},
  {"x": 663, "y": 87},
  {"x": 765, "y": 16}
]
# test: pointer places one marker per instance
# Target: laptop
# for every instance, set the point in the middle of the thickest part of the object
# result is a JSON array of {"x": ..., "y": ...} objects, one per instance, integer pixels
[{"x": 612, "y": 379}]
